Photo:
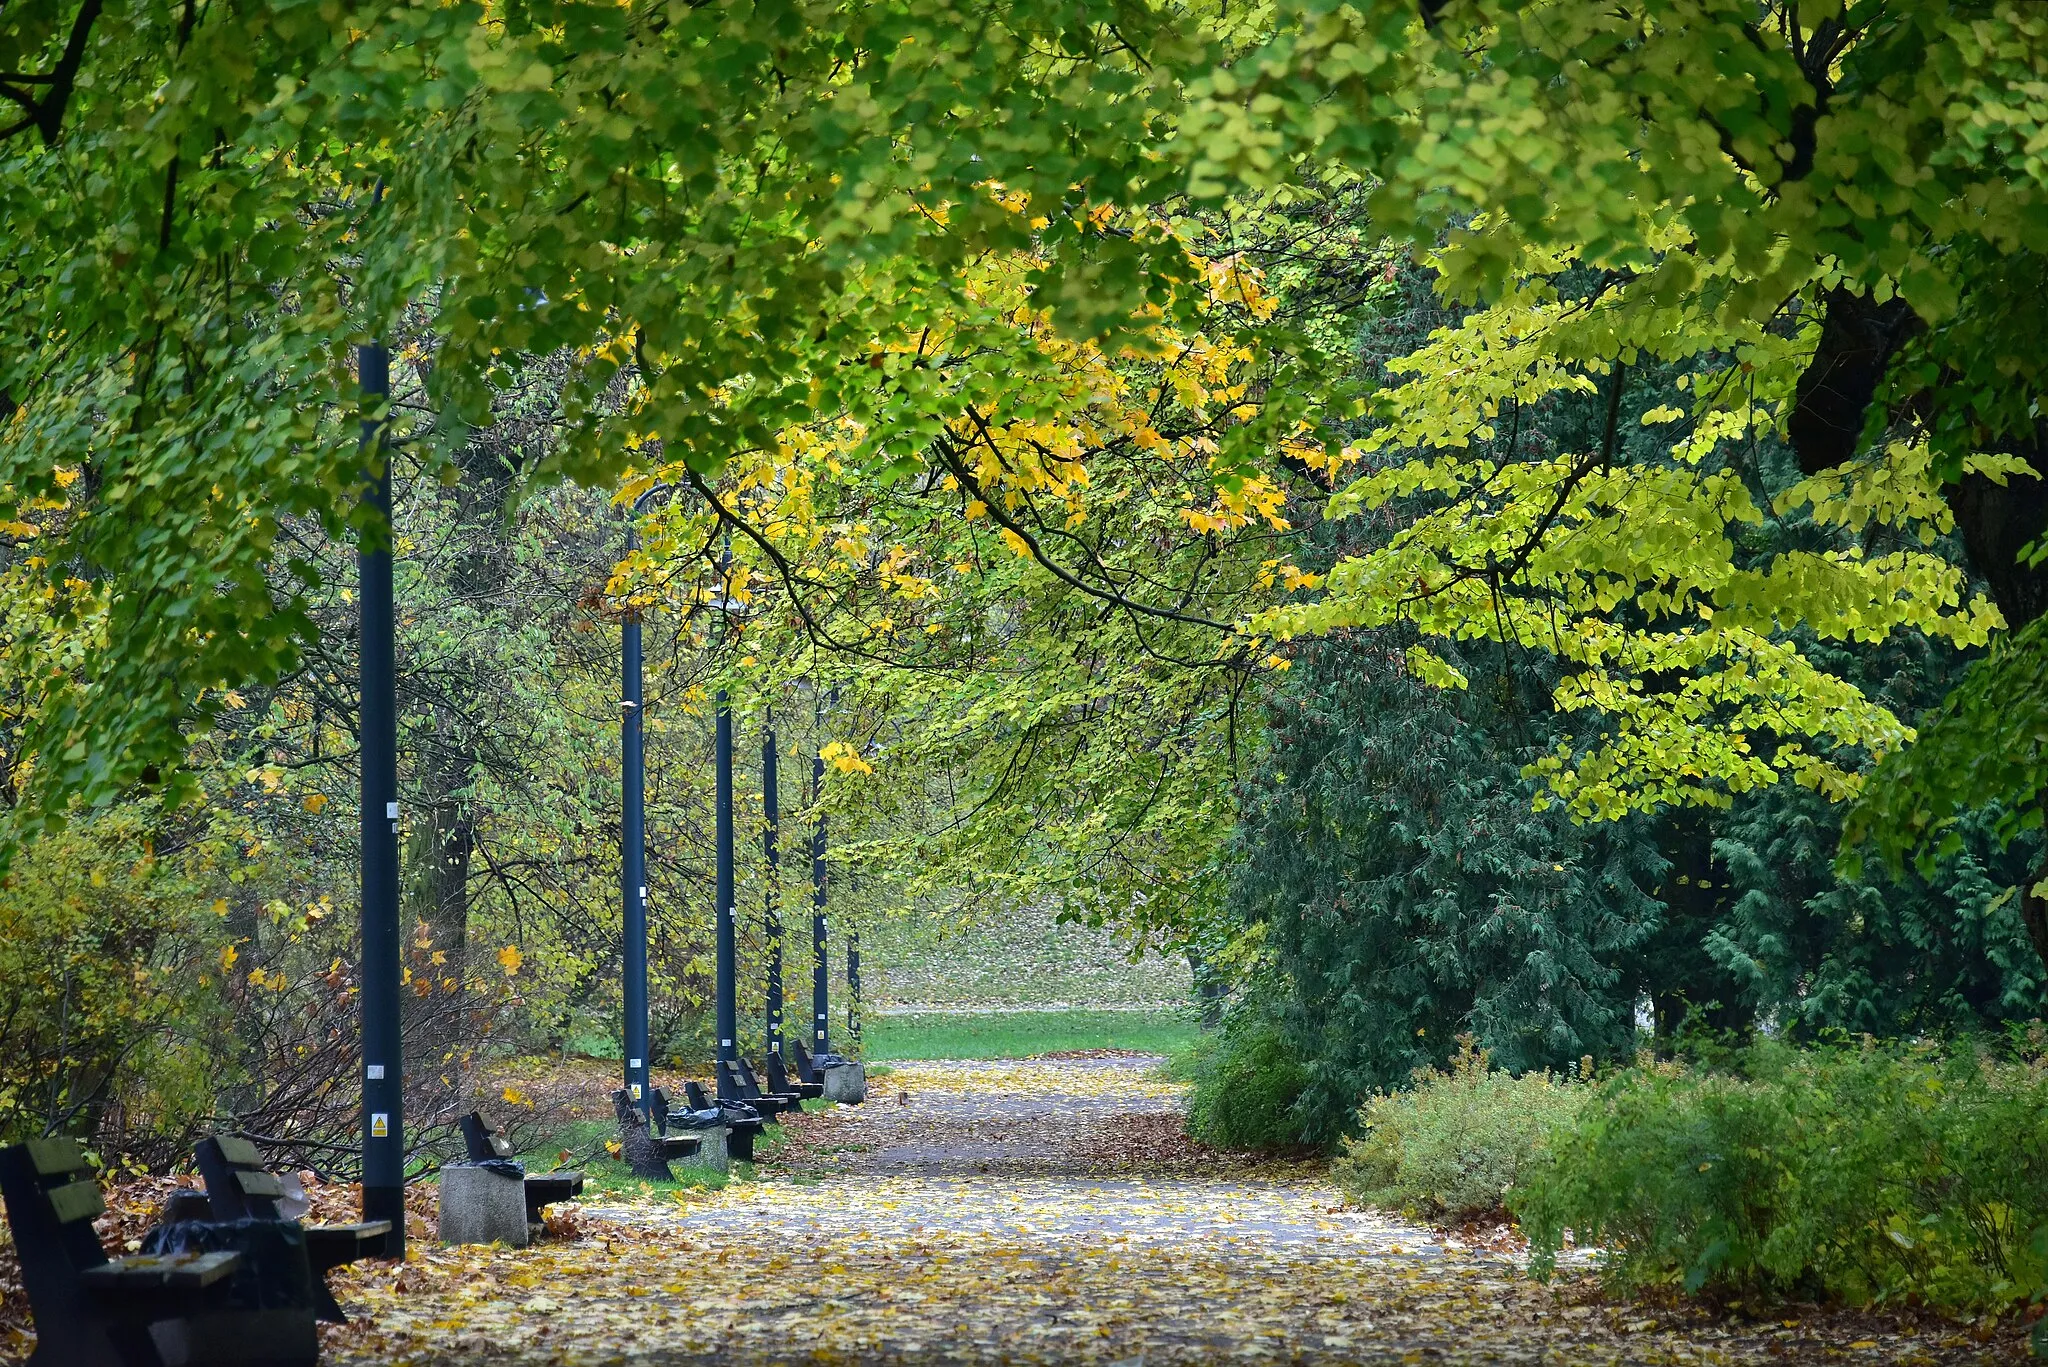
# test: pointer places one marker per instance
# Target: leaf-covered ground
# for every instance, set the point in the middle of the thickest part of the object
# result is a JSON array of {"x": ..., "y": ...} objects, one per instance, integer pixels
[{"x": 1044, "y": 1212}]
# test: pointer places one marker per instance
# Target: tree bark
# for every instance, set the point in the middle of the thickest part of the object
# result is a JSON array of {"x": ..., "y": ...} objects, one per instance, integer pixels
[
  {"x": 1859, "y": 339},
  {"x": 445, "y": 849}
]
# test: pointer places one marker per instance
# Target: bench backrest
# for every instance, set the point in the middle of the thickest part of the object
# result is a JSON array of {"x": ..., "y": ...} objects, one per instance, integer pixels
[
  {"x": 694, "y": 1094},
  {"x": 481, "y": 1141},
  {"x": 742, "y": 1081},
  {"x": 237, "y": 1183},
  {"x": 778, "y": 1077},
  {"x": 657, "y": 1108},
  {"x": 52, "y": 1200},
  {"x": 805, "y": 1069}
]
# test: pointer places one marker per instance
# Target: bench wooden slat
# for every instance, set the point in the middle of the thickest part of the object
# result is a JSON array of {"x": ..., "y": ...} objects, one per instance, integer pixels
[
  {"x": 55, "y": 1157},
  {"x": 501, "y": 1146},
  {"x": 173, "y": 1272},
  {"x": 239, "y": 1151},
  {"x": 368, "y": 1229},
  {"x": 77, "y": 1201},
  {"x": 260, "y": 1183}
]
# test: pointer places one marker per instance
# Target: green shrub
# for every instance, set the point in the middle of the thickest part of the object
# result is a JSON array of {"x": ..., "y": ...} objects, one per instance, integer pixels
[
  {"x": 107, "y": 1023},
  {"x": 1452, "y": 1146},
  {"x": 1246, "y": 1083},
  {"x": 1855, "y": 1174}
]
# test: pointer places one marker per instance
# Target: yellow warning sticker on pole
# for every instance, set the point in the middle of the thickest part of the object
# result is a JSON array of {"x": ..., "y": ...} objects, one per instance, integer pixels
[{"x": 380, "y": 1125}]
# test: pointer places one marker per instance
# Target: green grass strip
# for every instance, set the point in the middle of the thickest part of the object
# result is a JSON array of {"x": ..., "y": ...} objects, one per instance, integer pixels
[{"x": 1020, "y": 1034}]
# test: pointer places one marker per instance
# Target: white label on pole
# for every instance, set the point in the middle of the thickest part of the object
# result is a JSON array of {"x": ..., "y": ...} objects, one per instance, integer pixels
[
  {"x": 643, "y": 892},
  {"x": 391, "y": 811},
  {"x": 375, "y": 1072},
  {"x": 380, "y": 1125},
  {"x": 633, "y": 1063},
  {"x": 725, "y": 1044}
]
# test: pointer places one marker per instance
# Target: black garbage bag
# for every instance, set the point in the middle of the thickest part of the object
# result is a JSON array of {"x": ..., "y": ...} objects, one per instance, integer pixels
[
  {"x": 824, "y": 1061},
  {"x": 274, "y": 1273}
]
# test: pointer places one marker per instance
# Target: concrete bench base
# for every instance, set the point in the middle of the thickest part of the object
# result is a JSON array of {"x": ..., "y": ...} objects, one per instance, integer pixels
[
  {"x": 479, "y": 1206},
  {"x": 713, "y": 1154},
  {"x": 847, "y": 1084}
]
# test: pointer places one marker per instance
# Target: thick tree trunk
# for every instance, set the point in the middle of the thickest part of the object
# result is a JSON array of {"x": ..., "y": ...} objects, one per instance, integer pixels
[
  {"x": 438, "y": 898},
  {"x": 444, "y": 849},
  {"x": 1210, "y": 990},
  {"x": 1859, "y": 338}
]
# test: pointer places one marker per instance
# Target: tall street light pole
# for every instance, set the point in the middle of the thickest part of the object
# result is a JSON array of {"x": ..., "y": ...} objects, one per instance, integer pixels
[
  {"x": 383, "y": 1114},
  {"x": 633, "y": 836},
  {"x": 772, "y": 912},
  {"x": 853, "y": 987},
  {"x": 821, "y": 960},
  {"x": 727, "y": 1012}
]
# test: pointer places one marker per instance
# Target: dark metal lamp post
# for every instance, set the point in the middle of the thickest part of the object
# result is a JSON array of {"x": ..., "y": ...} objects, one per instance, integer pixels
[
  {"x": 772, "y": 912},
  {"x": 727, "y": 1014},
  {"x": 821, "y": 962},
  {"x": 633, "y": 834},
  {"x": 383, "y": 1111}
]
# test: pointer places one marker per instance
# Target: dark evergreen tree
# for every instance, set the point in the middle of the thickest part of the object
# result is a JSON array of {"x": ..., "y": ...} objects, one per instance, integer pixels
[{"x": 1412, "y": 892}]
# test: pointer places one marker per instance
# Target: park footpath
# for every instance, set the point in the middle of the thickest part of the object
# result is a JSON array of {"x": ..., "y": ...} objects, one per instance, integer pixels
[{"x": 1041, "y": 1211}]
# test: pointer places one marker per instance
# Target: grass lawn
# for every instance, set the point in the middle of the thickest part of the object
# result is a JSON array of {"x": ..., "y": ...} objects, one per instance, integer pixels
[
  {"x": 1019, "y": 1034},
  {"x": 606, "y": 1176}
]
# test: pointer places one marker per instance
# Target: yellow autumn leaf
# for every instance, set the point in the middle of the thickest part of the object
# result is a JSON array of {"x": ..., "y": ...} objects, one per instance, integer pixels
[
  {"x": 314, "y": 802},
  {"x": 511, "y": 958},
  {"x": 845, "y": 758}
]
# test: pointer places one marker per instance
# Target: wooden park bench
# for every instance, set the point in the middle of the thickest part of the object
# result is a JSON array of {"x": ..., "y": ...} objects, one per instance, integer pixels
[
  {"x": 697, "y": 1117},
  {"x": 542, "y": 1189},
  {"x": 239, "y": 1187},
  {"x": 740, "y": 1078},
  {"x": 143, "y": 1310},
  {"x": 744, "y": 1122},
  {"x": 752, "y": 1076},
  {"x": 769, "y": 1108},
  {"x": 779, "y": 1081},
  {"x": 669, "y": 1146}
]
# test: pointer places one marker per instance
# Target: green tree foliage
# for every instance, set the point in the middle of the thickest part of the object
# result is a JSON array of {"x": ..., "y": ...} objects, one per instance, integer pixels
[
  {"x": 1410, "y": 891},
  {"x": 1888, "y": 955},
  {"x": 103, "y": 941},
  {"x": 733, "y": 205},
  {"x": 1833, "y": 215}
]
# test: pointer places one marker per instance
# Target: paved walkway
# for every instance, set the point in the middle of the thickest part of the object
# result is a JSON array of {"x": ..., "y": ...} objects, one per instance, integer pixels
[{"x": 1023, "y": 1213}]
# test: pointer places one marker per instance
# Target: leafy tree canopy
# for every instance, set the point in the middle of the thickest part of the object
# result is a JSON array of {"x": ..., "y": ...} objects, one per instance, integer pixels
[{"x": 736, "y": 221}]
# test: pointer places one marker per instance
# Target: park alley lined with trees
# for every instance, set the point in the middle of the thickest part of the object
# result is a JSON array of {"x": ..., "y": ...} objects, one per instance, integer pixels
[{"x": 1504, "y": 537}]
